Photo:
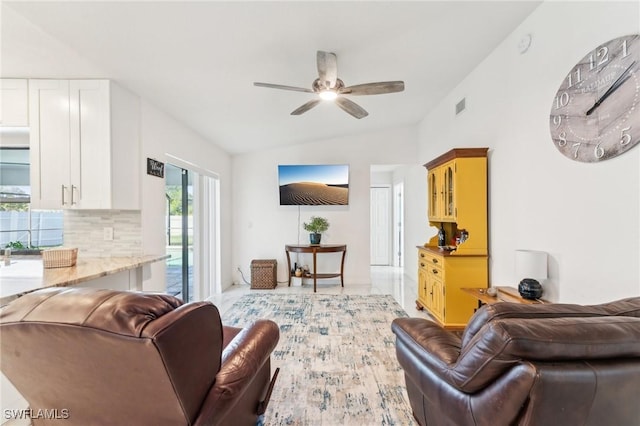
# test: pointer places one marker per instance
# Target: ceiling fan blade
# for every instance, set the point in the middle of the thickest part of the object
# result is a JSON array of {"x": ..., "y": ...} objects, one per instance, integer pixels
[
  {"x": 351, "y": 107},
  {"x": 306, "y": 107},
  {"x": 327, "y": 68},
  {"x": 374, "y": 88},
  {"x": 279, "y": 86}
]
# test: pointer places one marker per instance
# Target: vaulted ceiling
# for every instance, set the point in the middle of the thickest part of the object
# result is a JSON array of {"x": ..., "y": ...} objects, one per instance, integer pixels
[{"x": 198, "y": 60}]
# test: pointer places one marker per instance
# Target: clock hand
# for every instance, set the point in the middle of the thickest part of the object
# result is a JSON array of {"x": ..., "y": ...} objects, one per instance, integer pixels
[{"x": 619, "y": 81}]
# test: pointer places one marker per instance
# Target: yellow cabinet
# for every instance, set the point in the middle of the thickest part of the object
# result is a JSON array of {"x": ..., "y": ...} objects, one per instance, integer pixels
[
  {"x": 457, "y": 203},
  {"x": 442, "y": 193},
  {"x": 422, "y": 287},
  {"x": 435, "y": 294},
  {"x": 441, "y": 276},
  {"x": 457, "y": 198},
  {"x": 430, "y": 288}
]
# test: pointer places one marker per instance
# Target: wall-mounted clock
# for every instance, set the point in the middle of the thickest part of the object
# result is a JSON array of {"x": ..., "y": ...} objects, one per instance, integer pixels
[{"x": 595, "y": 115}]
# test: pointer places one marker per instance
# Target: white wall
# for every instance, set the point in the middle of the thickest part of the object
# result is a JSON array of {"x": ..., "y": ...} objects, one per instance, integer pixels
[
  {"x": 261, "y": 227},
  {"x": 586, "y": 216},
  {"x": 162, "y": 135},
  {"x": 417, "y": 230}
]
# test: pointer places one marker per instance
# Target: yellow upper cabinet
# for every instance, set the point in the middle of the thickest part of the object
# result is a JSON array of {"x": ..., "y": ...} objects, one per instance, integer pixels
[
  {"x": 457, "y": 191},
  {"x": 442, "y": 193}
]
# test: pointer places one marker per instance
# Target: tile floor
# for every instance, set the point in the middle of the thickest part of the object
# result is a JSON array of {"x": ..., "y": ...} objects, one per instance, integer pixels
[{"x": 384, "y": 280}]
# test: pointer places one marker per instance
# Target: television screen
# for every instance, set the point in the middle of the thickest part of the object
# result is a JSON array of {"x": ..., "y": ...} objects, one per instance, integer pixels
[{"x": 313, "y": 185}]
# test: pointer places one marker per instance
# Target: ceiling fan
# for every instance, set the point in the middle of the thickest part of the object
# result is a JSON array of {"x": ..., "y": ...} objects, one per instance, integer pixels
[{"x": 329, "y": 87}]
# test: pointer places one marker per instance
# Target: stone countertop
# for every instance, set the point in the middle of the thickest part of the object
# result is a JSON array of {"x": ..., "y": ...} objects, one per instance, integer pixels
[{"x": 27, "y": 274}]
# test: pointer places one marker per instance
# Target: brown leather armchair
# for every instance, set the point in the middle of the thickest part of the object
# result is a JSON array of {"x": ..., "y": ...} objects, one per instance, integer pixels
[
  {"x": 125, "y": 358},
  {"x": 556, "y": 364}
]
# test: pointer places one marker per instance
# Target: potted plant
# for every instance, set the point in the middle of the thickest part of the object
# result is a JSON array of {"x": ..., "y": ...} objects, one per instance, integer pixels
[{"x": 316, "y": 226}]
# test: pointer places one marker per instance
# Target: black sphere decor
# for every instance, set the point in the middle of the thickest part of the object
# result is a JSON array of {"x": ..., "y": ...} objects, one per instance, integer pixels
[{"x": 530, "y": 289}]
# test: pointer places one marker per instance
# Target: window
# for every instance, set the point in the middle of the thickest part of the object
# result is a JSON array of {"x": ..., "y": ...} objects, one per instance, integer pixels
[{"x": 21, "y": 227}]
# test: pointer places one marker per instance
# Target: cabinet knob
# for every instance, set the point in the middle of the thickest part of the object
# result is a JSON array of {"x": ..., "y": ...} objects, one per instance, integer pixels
[
  {"x": 435, "y": 260},
  {"x": 422, "y": 264},
  {"x": 435, "y": 271}
]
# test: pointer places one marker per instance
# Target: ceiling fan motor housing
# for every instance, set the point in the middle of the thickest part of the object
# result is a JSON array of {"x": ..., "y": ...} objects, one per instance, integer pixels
[{"x": 329, "y": 86}]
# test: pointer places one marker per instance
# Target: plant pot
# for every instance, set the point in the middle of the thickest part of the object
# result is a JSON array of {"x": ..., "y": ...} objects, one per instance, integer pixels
[{"x": 314, "y": 238}]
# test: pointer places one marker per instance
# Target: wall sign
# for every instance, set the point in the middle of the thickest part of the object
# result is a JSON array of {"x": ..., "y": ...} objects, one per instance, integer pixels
[{"x": 155, "y": 168}]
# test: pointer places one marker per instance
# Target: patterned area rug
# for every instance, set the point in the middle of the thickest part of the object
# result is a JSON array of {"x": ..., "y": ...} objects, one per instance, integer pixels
[{"x": 336, "y": 356}]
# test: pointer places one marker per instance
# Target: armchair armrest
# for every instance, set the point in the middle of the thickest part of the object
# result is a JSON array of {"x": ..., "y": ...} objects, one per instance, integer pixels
[{"x": 242, "y": 359}]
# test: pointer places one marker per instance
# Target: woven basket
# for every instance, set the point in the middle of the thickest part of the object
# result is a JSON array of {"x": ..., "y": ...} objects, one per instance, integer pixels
[
  {"x": 59, "y": 258},
  {"x": 263, "y": 274}
]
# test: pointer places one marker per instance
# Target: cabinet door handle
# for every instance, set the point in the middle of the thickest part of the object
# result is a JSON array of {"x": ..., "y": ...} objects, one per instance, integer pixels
[
  {"x": 72, "y": 188},
  {"x": 63, "y": 189}
]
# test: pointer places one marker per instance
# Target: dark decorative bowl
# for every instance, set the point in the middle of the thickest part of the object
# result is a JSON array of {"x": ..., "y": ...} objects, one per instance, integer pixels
[{"x": 530, "y": 289}]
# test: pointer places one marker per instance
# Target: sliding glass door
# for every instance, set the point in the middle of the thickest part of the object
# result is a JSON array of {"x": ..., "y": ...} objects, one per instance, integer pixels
[{"x": 179, "y": 223}]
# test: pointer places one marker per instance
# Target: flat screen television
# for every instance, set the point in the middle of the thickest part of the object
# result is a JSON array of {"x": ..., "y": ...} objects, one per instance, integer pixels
[{"x": 314, "y": 185}]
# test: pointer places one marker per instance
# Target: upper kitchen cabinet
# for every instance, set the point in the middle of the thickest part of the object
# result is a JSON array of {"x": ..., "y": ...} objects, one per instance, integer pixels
[
  {"x": 84, "y": 144},
  {"x": 14, "y": 104}
]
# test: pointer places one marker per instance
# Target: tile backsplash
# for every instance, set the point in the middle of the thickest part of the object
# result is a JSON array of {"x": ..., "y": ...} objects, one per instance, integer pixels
[{"x": 85, "y": 229}]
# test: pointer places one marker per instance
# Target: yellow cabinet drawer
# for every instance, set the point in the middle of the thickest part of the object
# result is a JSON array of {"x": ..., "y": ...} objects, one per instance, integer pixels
[
  {"x": 428, "y": 260},
  {"x": 435, "y": 271}
]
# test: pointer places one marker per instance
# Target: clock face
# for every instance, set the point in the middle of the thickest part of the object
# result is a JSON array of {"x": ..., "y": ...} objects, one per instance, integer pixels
[{"x": 595, "y": 114}]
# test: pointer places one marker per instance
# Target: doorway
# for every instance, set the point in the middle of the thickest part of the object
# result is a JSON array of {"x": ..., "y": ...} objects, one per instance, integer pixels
[
  {"x": 398, "y": 224},
  {"x": 380, "y": 244},
  {"x": 387, "y": 214},
  {"x": 179, "y": 192}
]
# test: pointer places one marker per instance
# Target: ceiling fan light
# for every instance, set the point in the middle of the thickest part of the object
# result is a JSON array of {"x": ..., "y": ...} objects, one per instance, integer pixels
[{"x": 328, "y": 95}]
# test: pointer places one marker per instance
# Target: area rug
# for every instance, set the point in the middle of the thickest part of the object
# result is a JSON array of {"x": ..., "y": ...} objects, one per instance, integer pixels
[{"x": 336, "y": 356}]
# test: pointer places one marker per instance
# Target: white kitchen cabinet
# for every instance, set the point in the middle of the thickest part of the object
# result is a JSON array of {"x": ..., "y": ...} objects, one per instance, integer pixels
[
  {"x": 14, "y": 104},
  {"x": 84, "y": 144}
]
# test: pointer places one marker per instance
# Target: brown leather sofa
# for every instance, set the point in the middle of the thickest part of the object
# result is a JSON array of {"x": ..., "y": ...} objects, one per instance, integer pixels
[
  {"x": 553, "y": 364},
  {"x": 103, "y": 357}
]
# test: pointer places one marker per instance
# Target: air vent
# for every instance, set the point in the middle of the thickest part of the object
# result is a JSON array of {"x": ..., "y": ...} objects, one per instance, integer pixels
[{"x": 460, "y": 106}]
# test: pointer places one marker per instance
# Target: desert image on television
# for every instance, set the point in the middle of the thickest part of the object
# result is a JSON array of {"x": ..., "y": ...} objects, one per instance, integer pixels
[{"x": 314, "y": 185}]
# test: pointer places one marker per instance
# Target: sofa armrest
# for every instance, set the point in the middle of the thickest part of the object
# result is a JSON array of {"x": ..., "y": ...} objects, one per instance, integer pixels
[
  {"x": 422, "y": 344},
  {"x": 503, "y": 343},
  {"x": 242, "y": 359},
  {"x": 429, "y": 337}
]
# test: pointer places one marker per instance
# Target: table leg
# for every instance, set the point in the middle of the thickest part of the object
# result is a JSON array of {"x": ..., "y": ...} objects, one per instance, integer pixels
[
  {"x": 344, "y": 253},
  {"x": 288, "y": 267},
  {"x": 315, "y": 272}
]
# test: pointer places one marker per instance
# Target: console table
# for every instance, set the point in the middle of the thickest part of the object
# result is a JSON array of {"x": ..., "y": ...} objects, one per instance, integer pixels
[
  {"x": 315, "y": 249},
  {"x": 505, "y": 294}
]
